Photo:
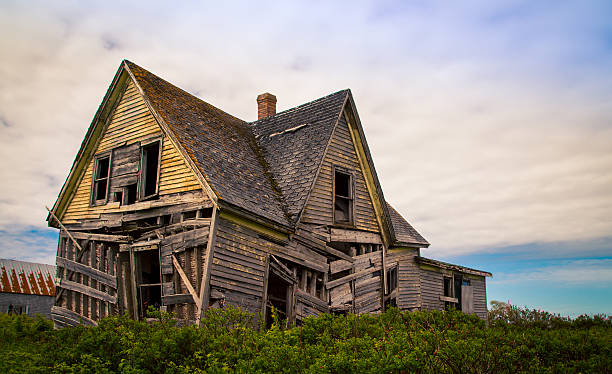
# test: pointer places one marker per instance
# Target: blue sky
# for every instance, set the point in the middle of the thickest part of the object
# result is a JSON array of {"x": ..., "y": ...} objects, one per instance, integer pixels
[{"x": 489, "y": 122}]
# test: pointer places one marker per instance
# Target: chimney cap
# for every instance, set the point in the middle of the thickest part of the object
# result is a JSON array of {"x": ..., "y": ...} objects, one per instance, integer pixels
[{"x": 266, "y": 97}]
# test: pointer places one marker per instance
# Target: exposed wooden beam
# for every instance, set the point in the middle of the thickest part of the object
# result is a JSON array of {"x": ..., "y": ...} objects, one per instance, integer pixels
[{"x": 186, "y": 281}]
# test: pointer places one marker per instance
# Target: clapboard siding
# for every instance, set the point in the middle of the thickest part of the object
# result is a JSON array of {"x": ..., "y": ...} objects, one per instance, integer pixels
[
  {"x": 480, "y": 297},
  {"x": 239, "y": 265},
  {"x": 409, "y": 287},
  {"x": 341, "y": 152},
  {"x": 432, "y": 287},
  {"x": 131, "y": 123}
]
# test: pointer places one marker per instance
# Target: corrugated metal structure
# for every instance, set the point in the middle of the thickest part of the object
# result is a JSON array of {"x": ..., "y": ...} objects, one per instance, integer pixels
[
  {"x": 26, "y": 287},
  {"x": 28, "y": 278}
]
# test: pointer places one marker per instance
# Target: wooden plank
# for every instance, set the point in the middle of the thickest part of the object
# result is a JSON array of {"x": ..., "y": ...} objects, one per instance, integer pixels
[
  {"x": 101, "y": 237},
  {"x": 97, "y": 275},
  {"x": 186, "y": 281},
  {"x": 334, "y": 283},
  {"x": 86, "y": 290},
  {"x": 177, "y": 299},
  {"x": 354, "y": 236},
  {"x": 70, "y": 317},
  {"x": 318, "y": 303}
]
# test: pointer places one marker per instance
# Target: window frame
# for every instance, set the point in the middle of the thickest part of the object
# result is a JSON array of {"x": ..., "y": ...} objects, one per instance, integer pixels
[
  {"x": 142, "y": 169},
  {"x": 94, "y": 180},
  {"x": 351, "y": 214}
]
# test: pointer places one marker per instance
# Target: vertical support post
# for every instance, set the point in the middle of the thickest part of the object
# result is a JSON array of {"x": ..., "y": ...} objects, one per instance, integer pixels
[
  {"x": 205, "y": 284},
  {"x": 133, "y": 284}
]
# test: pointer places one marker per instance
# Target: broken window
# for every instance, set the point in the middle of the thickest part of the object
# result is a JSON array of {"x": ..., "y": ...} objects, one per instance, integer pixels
[
  {"x": 343, "y": 198},
  {"x": 391, "y": 279},
  {"x": 100, "y": 182},
  {"x": 149, "y": 170}
]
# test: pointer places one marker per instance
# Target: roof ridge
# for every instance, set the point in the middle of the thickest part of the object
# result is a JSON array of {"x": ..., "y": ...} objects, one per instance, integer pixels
[
  {"x": 183, "y": 91},
  {"x": 301, "y": 106}
]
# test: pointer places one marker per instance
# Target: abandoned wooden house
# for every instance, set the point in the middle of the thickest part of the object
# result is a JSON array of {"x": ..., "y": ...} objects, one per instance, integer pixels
[{"x": 175, "y": 204}]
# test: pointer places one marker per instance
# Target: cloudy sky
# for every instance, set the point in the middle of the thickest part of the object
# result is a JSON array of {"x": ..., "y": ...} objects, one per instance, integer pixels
[{"x": 490, "y": 123}]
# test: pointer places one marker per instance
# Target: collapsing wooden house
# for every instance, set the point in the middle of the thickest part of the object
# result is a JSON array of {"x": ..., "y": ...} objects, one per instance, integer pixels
[{"x": 175, "y": 204}]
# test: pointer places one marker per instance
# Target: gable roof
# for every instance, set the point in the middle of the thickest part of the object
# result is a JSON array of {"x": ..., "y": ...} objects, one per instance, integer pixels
[
  {"x": 294, "y": 143},
  {"x": 222, "y": 147},
  {"x": 28, "y": 278}
]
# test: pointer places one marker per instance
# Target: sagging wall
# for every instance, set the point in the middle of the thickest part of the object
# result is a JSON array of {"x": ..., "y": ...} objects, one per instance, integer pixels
[
  {"x": 239, "y": 265},
  {"x": 87, "y": 288}
]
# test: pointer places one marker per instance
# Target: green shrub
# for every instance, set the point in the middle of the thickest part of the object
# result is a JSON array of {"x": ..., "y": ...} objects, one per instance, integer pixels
[{"x": 395, "y": 341}]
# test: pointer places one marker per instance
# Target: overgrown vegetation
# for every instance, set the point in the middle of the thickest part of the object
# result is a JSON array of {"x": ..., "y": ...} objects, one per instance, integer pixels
[{"x": 517, "y": 340}]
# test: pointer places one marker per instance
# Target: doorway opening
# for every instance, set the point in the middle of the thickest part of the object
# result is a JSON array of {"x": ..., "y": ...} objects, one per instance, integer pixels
[{"x": 148, "y": 280}]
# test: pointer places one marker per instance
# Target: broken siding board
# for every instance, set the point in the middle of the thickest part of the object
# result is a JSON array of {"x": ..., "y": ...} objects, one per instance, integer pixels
[
  {"x": 97, "y": 275},
  {"x": 129, "y": 124},
  {"x": 341, "y": 152}
]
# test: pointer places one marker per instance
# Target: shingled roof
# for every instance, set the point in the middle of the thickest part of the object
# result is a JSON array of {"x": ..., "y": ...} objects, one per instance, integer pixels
[
  {"x": 221, "y": 145},
  {"x": 404, "y": 232},
  {"x": 294, "y": 143}
]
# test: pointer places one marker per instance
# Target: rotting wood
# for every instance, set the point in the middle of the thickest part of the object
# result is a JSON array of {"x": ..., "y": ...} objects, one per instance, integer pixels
[
  {"x": 101, "y": 237},
  {"x": 72, "y": 318},
  {"x": 353, "y": 276},
  {"x": 205, "y": 289},
  {"x": 86, "y": 290},
  {"x": 186, "y": 282},
  {"x": 97, "y": 275},
  {"x": 354, "y": 236}
]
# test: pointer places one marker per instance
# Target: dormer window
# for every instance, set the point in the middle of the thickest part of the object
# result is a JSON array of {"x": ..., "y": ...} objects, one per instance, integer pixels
[
  {"x": 343, "y": 198},
  {"x": 100, "y": 185}
]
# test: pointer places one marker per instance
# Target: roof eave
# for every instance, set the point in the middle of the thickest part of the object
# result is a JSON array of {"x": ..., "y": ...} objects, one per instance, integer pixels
[{"x": 448, "y": 266}]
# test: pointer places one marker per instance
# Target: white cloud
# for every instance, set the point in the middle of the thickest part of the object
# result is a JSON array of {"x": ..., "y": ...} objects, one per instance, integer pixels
[{"x": 489, "y": 123}]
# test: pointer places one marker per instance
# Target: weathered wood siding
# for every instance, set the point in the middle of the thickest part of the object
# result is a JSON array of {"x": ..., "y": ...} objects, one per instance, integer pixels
[
  {"x": 432, "y": 287},
  {"x": 239, "y": 265},
  {"x": 131, "y": 123},
  {"x": 409, "y": 286},
  {"x": 92, "y": 291},
  {"x": 480, "y": 296},
  {"x": 341, "y": 152}
]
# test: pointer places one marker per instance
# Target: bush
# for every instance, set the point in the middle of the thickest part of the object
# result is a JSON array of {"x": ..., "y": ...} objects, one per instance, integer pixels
[{"x": 395, "y": 341}]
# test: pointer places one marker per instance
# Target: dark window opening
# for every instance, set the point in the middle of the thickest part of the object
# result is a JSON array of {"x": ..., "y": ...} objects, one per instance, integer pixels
[
  {"x": 149, "y": 284},
  {"x": 205, "y": 213},
  {"x": 457, "y": 288},
  {"x": 150, "y": 169},
  {"x": 101, "y": 179},
  {"x": 448, "y": 287},
  {"x": 118, "y": 197},
  {"x": 343, "y": 198},
  {"x": 131, "y": 194},
  {"x": 392, "y": 279},
  {"x": 189, "y": 215},
  {"x": 278, "y": 298}
]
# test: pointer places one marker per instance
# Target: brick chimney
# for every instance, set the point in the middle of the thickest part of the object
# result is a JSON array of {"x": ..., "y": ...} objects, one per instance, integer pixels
[{"x": 266, "y": 105}]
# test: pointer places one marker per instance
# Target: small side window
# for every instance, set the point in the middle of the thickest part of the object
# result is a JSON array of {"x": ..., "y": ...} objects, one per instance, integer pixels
[
  {"x": 100, "y": 182},
  {"x": 343, "y": 198}
]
